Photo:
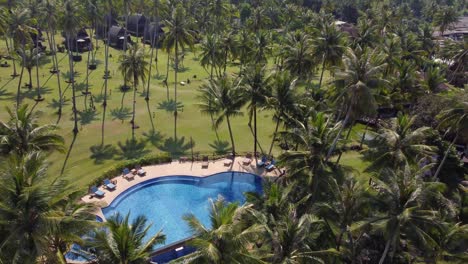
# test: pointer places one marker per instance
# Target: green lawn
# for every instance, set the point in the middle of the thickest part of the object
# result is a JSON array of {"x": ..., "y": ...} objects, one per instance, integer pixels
[{"x": 191, "y": 123}]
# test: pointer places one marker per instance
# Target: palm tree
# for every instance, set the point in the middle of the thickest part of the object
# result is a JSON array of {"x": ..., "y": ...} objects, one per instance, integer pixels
[
  {"x": 404, "y": 215},
  {"x": 31, "y": 58},
  {"x": 70, "y": 22},
  {"x": 456, "y": 119},
  {"x": 328, "y": 47},
  {"x": 356, "y": 85},
  {"x": 283, "y": 100},
  {"x": 227, "y": 239},
  {"x": 22, "y": 134},
  {"x": 298, "y": 55},
  {"x": 177, "y": 36},
  {"x": 134, "y": 66},
  {"x": 210, "y": 55},
  {"x": 222, "y": 97},
  {"x": 38, "y": 218},
  {"x": 445, "y": 17},
  {"x": 256, "y": 89},
  {"x": 312, "y": 139},
  {"x": 123, "y": 241},
  {"x": 398, "y": 145},
  {"x": 244, "y": 48}
]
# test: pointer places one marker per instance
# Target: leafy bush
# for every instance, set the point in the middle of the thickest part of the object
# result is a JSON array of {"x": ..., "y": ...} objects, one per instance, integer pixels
[{"x": 146, "y": 160}]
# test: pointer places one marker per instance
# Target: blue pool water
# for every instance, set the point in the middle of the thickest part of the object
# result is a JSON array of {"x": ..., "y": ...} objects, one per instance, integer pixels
[{"x": 164, "y": 201}]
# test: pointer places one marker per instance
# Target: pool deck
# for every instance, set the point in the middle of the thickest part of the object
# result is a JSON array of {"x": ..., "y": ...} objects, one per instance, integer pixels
[{"x": 176, "y": 168}]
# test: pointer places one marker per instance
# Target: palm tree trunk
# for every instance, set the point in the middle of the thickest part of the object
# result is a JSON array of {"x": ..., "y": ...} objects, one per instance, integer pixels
[
  {"x": 274, "y": 136},
  {"x": 445, "y": 156},
  {"x": 231, "y": 136},
  {"x": 72, "y": 79},
  {"x": 104, "y": 103},
  {"x": 150, "y": 68},
  {"x": 176, "y": 61},
  {"x": 56, "y": 68},
  {"x": 167, "y": 75},
  {"x": 322, "y": 71},
  {"x": 363, "y": 136},
  {"x": 347, "y": 137},
  {"x": 384, "y": 255},
  {"x": 255, "y": 132},
  {"x": 30, "y": 79},
  {"x": 134, "y": 106},
  {"x": 39, "y": 97},
  {"x": 86, "y": 92},
  {"x": 15, "y": 74},
  {"x": 335, "y": 141},
  {"x": 18, "y": 92}
]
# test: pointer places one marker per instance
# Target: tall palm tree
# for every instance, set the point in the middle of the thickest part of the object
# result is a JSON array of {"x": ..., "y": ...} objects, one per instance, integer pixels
[
  {"x": 31, "y": 58},
  {"x": 178, "y": 36},
  {"x": 244, "y": 48},
  {"x": 328, "y": 47},
  {"x": 124, "y": 241},
  {"x": 222, "y": 97},
  {"x": 445, "y": 17},
  {"x": 456, "y": 119},
  {"x": 404, "y": 214},
  {"x": 357, "y": 85},
  {"x": 257, "y": 87},
  {"x": 71, "y": 22},
  {"x": 227, "y": 239},
  {"x": 283, "y": 100},
  {"x": 313, "y": 139},
  {"x": 211, "y": 55},
  {"x": 34, "y": 210},
  {"x": 22, "y": 134},
  {"x": 298, "y": 55},
  {"x": 398, "y": 145},
  {"x": 134, "y": 66}
]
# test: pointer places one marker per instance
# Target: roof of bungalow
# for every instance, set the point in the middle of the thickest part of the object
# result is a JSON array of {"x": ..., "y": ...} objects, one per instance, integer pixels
[{"x": 461, "y": 27}]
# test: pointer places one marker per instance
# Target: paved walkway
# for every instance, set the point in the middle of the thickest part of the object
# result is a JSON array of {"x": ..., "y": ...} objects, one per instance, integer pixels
[{"x": 175, "y": 168}]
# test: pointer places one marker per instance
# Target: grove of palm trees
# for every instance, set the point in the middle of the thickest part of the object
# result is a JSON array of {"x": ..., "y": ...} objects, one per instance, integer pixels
[{"x": 363, "y": 104}]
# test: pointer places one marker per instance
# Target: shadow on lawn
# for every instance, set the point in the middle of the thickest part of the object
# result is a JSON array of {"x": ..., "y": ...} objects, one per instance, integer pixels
[
  {"x": 5, "y": 95},
  {"x": 220, "y": 147},
  {"x": 132, "y": 149},
  {"x": 154, "y": 137},
  {"x": 170, "y": 106},
  {"x": 87, "y": 116},
  {"x": 121, "y": 113},
  {"x": 100, "y": 153},
  {"x": 176, "y": 147},
  {"x": 31, "y": 94}
]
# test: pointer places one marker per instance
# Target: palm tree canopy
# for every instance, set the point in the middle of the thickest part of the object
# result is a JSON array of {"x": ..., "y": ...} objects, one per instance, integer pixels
[
  {"x": 133, "y": 65},
  {"x": 21, "y": 134}
]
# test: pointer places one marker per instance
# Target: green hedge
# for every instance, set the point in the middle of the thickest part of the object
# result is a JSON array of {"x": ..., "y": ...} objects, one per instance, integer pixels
[{"x": 117, "y": 169}]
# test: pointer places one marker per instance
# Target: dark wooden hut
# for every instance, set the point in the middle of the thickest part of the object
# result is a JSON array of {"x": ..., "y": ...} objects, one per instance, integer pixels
[
  {"x": 103, "y": 27},
  {"x": 117, "y": 37},
  {"x": 136, "y": 25},
  {"x": 153, "y": 34},
  {"x": 79, "y": 43}
]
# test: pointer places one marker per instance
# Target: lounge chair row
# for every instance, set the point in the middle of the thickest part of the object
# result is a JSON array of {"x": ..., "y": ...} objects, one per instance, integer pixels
[
  {"x": 130, "y": 174},
  {"x": 107, "y": 184}
]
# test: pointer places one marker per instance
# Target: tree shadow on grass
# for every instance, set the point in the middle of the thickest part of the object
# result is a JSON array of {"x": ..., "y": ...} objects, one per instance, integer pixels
[
  {"x": 176, "y": 147},
  {"x": 5, "y": 95},
  {"x": 154, "y": 137},
  {"x": 66, "y": 75},
  {"x": 87, "y": 116},
  {"x": 99, "y": 98},
  {"x": 55, "y": 104},
  {"x": 100, "y": 153},
  {"x": 132, "y": 149},
  {"x": 170, "y": 106},
  {"x": 159, "y": 76},
  {"x": 31, "y": 94},
  {"x": 121, "y": 113},
  {"x": 221, "y": 147}
]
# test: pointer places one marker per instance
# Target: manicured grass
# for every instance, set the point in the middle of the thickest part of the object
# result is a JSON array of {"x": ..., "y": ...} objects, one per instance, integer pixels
[{"x": 80, "y": 167}]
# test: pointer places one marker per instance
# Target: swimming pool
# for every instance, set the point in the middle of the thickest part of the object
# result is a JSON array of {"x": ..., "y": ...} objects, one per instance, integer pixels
[{"x": 165, "y": 200}]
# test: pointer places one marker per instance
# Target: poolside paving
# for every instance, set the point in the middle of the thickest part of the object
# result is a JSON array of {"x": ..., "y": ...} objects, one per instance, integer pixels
[{"x": 176, "y": 168}]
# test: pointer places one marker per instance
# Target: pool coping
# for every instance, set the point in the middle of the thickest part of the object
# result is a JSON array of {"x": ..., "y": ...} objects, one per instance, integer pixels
[{"x": 175, "y": 168}]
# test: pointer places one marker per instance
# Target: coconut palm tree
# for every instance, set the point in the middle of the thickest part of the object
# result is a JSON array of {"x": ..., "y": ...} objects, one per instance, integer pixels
[
  {"x": 257, "y": 87},
  {"x": 222, "y": 97},
  {"x": 357, "y": 85},
  {"x": 22, "y": 134},
  {"x": 398, "y": 145},
  {"x": 283, "y": 100},
  {"x": 404, "y": 214},
  {"x": 298, "y": 55},
  {"x": 31, "y": 58},
  {"x": 445, "y": 17},
  {"x": 70, "y": 22},
  {"x": 178, "y": 36},
  {"x": 211, "y": 55},
  {"x": 312, "y": 139},
  {"x": 328, "y": 47},
  {"x": 134, "y": 66},
  {"x": 456, "y": 119},
  {"x": 34, "y": 210},
  {"x": 227, "y": 239},
  {"x": 125, "y": 241},
  {"x": 244, "y": 48}
]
